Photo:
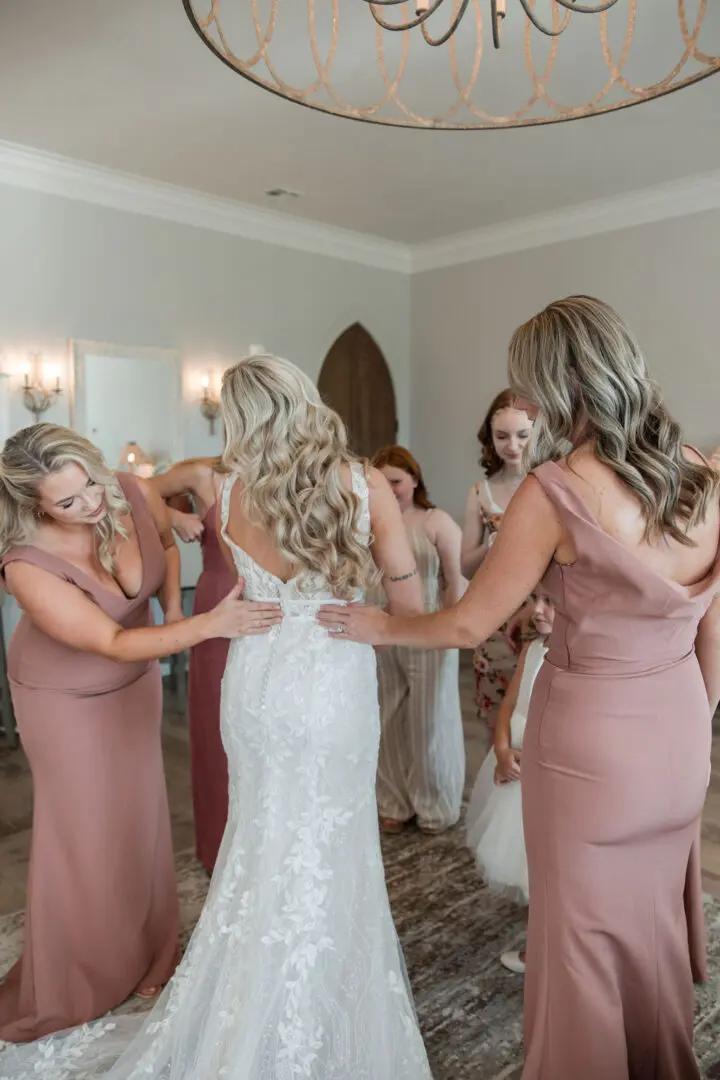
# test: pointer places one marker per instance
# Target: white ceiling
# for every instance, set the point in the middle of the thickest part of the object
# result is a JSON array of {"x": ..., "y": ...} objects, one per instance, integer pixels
[{"x": 127, "y": 84}]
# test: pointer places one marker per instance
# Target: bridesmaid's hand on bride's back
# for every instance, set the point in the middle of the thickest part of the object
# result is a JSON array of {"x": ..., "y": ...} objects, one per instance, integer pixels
[{"x": 234, "y": 617}]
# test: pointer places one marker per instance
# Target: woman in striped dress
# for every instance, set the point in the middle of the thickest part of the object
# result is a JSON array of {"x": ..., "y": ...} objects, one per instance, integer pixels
[{"x": 421, "y": 771}]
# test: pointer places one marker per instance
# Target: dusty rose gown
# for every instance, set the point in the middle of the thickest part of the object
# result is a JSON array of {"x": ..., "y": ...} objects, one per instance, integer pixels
[
  {"x": 102, "y": 911},
  {"x": 615, "y": 768},
  {"x": 208, "y": 762}
]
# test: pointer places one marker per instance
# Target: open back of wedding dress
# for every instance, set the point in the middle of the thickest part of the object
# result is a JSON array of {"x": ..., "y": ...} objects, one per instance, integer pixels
[{"x": 294, "y": 971}]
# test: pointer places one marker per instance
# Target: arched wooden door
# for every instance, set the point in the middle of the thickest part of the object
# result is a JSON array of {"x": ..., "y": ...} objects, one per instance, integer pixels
[{"x": 356, "y": 382}]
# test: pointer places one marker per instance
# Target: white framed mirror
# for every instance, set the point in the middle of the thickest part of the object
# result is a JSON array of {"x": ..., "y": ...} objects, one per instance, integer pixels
[{"x": 127, "y": 395}]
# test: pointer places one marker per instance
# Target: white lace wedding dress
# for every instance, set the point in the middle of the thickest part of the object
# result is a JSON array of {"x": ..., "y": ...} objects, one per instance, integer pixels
[{"x": 294, "y": 971}]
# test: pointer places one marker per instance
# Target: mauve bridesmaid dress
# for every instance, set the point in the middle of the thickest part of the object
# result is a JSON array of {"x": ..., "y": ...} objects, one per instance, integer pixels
[
  {"x": 616, "y": 762},
  {"x": 208, "y": 762},
  {"x": 102, "y": 911}
]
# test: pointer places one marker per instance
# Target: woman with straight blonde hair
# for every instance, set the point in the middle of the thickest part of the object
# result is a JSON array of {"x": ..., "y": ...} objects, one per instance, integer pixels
[
  {"x": 82, "y": 550},
  {"x": 294, "y": 969},
  {"x": 620, "y": 520},
  {"x": 201, "y": 479}
]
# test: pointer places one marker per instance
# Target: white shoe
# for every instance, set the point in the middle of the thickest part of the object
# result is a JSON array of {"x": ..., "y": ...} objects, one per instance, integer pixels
[{"x": 512, "y": 961}]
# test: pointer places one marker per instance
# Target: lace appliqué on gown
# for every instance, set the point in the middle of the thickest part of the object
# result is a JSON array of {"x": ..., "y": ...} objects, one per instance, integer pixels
[{"x": 294, "y": 971}]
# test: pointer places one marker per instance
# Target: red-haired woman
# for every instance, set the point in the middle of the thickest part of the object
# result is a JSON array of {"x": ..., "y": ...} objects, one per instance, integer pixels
[{"x": 421, "y": 771}]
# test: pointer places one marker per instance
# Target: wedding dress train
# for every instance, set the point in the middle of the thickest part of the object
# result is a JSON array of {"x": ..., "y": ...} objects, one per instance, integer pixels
[{"x": 294, "y": 971}]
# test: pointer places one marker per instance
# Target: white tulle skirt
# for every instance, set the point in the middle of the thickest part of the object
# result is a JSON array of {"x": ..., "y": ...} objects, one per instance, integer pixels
[{"x": 495, "y": 828}]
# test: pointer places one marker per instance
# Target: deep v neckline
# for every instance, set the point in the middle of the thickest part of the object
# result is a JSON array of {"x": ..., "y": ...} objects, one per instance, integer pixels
[
  {"x": 130, "y": 494},
  {"x": 691, "y": 592}
]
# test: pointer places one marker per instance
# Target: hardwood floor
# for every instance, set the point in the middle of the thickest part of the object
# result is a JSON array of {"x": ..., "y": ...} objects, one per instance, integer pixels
[{"x": 16, "y": 799}]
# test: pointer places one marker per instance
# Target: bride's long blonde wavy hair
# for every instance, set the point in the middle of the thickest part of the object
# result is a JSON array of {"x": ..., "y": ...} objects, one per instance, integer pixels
[
  {"x": 583, "y": 369},
  {"x": 34, "y": 453},
  {"x": 290, "y": 450}
]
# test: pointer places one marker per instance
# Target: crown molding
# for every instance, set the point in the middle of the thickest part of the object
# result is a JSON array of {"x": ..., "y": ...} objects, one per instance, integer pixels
[
  {"x": 25, "y": 167},
  {"x": 22, "y": 166},
  {"x": 646, "y": 206}
]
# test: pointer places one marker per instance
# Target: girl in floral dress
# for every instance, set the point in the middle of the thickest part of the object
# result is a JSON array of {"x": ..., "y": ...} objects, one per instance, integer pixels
[{"x": 503, "y": 437}]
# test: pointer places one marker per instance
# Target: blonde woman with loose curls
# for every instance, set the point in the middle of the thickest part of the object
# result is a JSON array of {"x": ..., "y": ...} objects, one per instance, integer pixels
[
  {"x": 621, "y": 522},
  {"x": 294, "y": 968},
  {"x": 82, "y": 551},
  {"x": 201, "y": 479}
]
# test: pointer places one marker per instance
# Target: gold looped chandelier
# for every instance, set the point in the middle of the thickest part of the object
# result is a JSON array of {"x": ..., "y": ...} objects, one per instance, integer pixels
[{"x": 565, "y": 60}]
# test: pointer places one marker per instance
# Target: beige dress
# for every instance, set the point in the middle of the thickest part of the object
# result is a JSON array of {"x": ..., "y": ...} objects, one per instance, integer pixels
[
  {"x": 102, "y": 912},
  {"x": 421, "y": 771}
]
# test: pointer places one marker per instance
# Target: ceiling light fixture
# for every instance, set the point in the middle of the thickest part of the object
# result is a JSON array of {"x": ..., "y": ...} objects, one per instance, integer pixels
[{"x": 370, "y": 67}]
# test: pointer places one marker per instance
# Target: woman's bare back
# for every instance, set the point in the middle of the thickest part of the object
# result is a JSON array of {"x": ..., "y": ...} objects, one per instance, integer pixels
[{"x": 618, "y": 513}]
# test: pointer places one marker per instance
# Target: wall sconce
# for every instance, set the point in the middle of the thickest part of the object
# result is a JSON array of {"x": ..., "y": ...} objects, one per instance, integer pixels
[
  {"x": 133, "y": 459},
  {"x": 210, "y": 404},
  {"x": 38, "y": 394}
]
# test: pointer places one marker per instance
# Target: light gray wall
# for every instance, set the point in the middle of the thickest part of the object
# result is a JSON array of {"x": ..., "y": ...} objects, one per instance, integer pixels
[
  {"x": 74, "y": 270},
  {"x": 663, "y": 278}
]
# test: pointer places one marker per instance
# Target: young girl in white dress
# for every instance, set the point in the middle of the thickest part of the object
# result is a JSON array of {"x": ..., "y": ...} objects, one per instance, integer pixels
[{"x": 494, "y": 819}]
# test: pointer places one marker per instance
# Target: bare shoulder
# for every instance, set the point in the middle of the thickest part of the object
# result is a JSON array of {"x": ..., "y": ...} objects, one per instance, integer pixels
[
  {"x": 694, "y": 456},
  {"x": 378, "y": 487},
  {"x": 439, "y": 522},
  {"x": 198, "y": 472},
  {"x": 440, "y": 517},
  {"x": 376, "y": 480}
]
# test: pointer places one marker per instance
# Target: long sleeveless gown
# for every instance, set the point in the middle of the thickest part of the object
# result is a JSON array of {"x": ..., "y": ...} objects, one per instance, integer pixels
[
  {"x": 421, "y": 769},
  {"x": 102, "y": 910},
  {"x": 294, "y": 971},
  {"x": 615, "y": 768},
  {"x": 208, "y": 761}
]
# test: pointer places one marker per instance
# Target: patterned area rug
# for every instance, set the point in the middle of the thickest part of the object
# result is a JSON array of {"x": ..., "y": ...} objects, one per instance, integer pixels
[{"x": 453, "y": 932}]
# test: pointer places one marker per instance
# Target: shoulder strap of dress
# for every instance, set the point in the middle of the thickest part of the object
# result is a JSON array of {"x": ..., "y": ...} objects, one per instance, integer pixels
[
  {"x": 361, "y": 490},
  {"x": 699, "y": 453},
  {"x": 225, "y": 492},
  {"x": 489, "y": 506},
  {"x": 564, "y": 498},
  {"x": 37, "y": 557},
  {"x": 141, "y": 512}
]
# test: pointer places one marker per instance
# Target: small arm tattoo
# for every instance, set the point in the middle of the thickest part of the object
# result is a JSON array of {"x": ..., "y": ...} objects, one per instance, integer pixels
[{"x": 405, "y": 577}]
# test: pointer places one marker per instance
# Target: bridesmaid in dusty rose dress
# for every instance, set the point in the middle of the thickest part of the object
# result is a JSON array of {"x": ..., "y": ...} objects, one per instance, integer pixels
[
  {"x": 621, "y": 521},
  {"x": 202, "y": 478},
  {"x": 83, "y": 551}
]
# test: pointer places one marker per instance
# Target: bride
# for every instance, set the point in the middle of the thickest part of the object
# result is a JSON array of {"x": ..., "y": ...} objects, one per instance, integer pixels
[{"x": 294, "y": 971}]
